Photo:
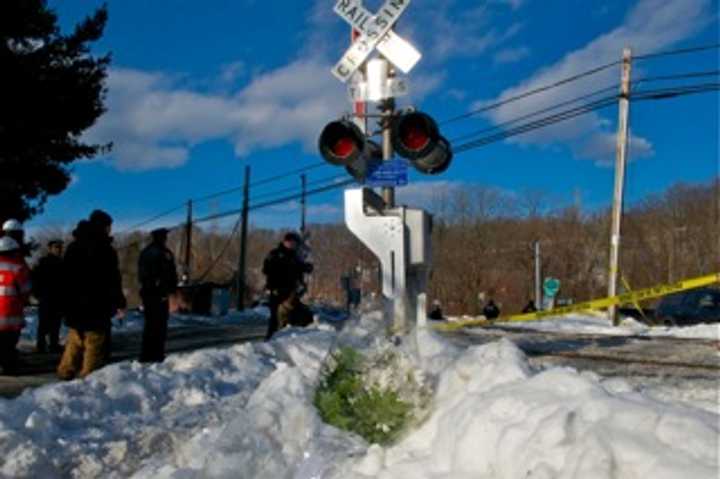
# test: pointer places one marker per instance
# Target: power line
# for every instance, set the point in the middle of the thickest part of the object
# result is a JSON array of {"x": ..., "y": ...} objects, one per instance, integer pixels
[
  {"x": 235, "y": 189},
  {"x": 677, "y": 77},
  {"x": 298, "y": 196},
  {"x": 681, "y": 51},
  {"x": 534, "y": 91},
  {"x": 535, "y": 113},
  {"x": 293, "y": 188},
  {"x": 152, "y": 220},
  {"x": 289, "y": 173},
  {"x": 537, "y": 124},
  {"x": 655, "y": 94},
  {"x": 222, "y": 252},
  {"x": 285, "y": 199},
  {"x": 664, "y": 93}
]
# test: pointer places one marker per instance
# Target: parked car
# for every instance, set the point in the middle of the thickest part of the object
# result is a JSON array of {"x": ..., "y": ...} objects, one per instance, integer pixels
[{"x": 689, "y": 307}]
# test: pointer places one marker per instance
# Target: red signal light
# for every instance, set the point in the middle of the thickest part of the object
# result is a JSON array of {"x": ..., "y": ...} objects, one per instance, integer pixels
[
  {"x": 341, "y": 142},
  {"x": 414, "y": 135},
  {"x": 343, "y": 147}
]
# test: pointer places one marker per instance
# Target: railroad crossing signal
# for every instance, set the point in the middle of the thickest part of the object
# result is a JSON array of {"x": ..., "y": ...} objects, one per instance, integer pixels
[
  {"x": 414, "y": 136},
  {"x": 376, "y": 32}
]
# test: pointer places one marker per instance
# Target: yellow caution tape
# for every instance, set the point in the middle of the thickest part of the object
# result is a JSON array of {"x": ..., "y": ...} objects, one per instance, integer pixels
[
  {"x": 631, "y": 296},
  {"x": 635, "y": 301}
]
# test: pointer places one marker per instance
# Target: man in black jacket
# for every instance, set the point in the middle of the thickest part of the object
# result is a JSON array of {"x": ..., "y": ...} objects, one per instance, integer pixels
[
  {"x": 491, "y": 311},
  {"x": 284, "y": 269},
  {"x": 158, "y": 280},
  {"x": 93, "y": 294},
  {"x": 47, "y": 281}
]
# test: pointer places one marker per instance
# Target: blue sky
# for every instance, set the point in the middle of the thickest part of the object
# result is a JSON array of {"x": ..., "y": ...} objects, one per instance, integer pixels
[{"x": 198, "y": 90}]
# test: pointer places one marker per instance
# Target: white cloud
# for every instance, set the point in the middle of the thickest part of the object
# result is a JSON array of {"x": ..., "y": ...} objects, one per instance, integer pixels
[
  {"x": 511, "y": 55},
  {"x": 649, "y": 26},
  {"x": 154, "y": 122},
  {"x": 452, "y": 28}
]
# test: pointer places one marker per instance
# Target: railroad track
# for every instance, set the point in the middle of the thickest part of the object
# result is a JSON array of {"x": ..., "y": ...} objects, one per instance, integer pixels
[{"x": 662, "y": 354}]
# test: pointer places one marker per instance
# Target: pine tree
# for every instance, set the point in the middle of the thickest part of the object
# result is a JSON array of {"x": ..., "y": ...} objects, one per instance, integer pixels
[{"x": 52, "y": 89}]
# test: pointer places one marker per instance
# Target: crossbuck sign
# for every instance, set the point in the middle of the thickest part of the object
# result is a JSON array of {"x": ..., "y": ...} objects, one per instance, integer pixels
[{"x": 376, "y": 32}]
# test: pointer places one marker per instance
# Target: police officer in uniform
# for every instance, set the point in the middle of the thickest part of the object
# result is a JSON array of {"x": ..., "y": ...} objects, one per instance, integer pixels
[
  {"x": 158, "y": 280},
  {"x": 284, "y": 269}
]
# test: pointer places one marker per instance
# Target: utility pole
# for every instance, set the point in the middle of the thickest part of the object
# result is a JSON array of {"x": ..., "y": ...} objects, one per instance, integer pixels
[
  {"x": 620, "y": 162},
  {"x": 303, "y": 203},
  {"x": 241, "y": 279},
  {"x": 188, "y": 243},
  {"x": 538, "y": 276}
]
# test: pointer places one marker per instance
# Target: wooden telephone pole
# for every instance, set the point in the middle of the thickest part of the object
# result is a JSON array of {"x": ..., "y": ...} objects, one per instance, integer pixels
[{"x": 620, "y": 162}]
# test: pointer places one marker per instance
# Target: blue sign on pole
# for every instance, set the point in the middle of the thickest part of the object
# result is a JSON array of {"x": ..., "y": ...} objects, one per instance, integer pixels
[
  {"x": 551, "y": 286},
  {"x": 389, "y": 173}
]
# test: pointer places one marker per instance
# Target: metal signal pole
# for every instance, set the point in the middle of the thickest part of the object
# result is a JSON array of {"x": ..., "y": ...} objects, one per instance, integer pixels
[
  {"x": 241, "y": 279},
  {"x": 388, "y": 110},
  {"x": 620, "y": 162}
]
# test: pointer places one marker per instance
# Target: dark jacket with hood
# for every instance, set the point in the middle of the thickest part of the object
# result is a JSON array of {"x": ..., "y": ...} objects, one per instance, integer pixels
[
  {"x": 156, "y": 271},
  {"x": 284, "y": 269},
  {"x": 48, "y": 279},
  {"x": 94, "y": 284}
]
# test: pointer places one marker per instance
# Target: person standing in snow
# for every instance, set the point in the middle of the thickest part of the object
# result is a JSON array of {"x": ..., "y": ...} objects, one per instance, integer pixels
[
  {"x": 93, "y": 294},
  {"x": 14, "y": 290},
  {"x": 47, "y": 279},
  {"x": 158, "y": 281},
  {"x": 491, "y": 311},
  {"x": 436, "y": 313},
  {"x": 530, "y": 307},
  {"x": 284, "y": 269}
]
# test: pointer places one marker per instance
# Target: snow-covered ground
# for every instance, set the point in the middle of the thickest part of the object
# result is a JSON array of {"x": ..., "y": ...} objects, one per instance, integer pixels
[
  {"x": 590, "y": 323},
  {"x": 246, "y": 412}
]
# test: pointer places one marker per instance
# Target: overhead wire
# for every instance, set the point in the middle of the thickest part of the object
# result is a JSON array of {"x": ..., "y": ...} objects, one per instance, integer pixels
[
  {"x": 224, "y": 249},
  {"x": 680, "y": 51},
  {"x": 159, "y": 216},
  {"x": 294, "y": 188},
  {"x": 654, "y": 94},
  {"x": 680, "y": 76},
  {"x": 535, "y": 113},
  {"x": 298, "y": 196},
  {"x": 532, "y": 92},
  {"x": 537, "y": 124}
]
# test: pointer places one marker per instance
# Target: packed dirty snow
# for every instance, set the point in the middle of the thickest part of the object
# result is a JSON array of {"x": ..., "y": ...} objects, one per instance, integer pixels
[
  {"x": 246, "y": 411},
  {"x": 133, "y": 322},
  {"x": 598, "y": 324}
]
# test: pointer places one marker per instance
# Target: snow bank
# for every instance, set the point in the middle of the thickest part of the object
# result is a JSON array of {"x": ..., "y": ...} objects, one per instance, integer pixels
[
  {"x": 497, "y": 418},
  {"x": 247, "y": 411}
]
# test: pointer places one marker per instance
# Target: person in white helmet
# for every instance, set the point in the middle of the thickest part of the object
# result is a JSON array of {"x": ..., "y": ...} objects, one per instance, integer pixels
[
  {"x": 14, "y": 229},
  {"x": 14, "y": 291}
]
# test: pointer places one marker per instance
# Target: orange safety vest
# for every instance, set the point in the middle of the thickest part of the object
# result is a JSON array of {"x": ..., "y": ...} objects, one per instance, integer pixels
[{"x": 14, "y": 291}]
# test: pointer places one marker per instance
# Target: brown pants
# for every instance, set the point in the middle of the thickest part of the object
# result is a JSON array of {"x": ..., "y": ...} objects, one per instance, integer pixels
[
  {"x": 282, "y": 304},
  {"x": 84, "y": 352}
]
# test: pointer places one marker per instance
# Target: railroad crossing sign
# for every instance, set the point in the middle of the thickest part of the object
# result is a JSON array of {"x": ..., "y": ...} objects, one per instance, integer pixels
[{"x": 376, "y": 32}]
